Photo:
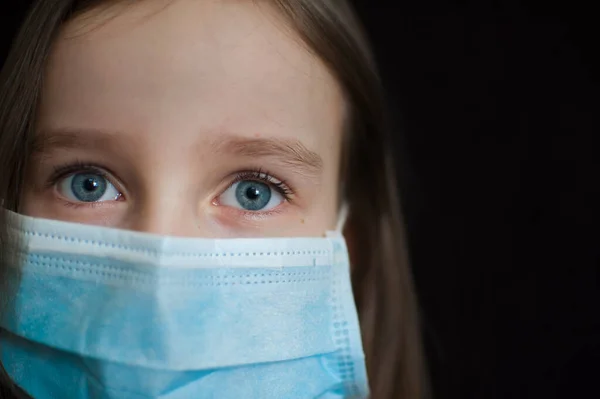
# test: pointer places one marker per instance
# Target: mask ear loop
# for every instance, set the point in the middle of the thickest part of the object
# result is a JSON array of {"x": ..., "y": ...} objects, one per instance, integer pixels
[
  {"x": 341, "y": 222},
  {"x": 342, "y": 218},
  {"x": 342, "y": 215}
]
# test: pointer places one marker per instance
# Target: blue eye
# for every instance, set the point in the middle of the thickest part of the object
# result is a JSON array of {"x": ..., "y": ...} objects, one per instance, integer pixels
[
  {"x": 88, "y": 187},
  {"x": 251, "y": 195}
]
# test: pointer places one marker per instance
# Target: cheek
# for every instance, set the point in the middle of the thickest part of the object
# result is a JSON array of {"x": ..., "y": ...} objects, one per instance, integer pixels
[
  {"x": 33, "y": 201},
  {"x": 27, "y": 205},
  {"x": 38, "y": 207},
  {"x": 323, "y": 217}
]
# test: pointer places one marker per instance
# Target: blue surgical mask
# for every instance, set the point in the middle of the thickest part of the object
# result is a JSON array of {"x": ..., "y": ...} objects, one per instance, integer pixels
[{"x": 106, "y": 313}]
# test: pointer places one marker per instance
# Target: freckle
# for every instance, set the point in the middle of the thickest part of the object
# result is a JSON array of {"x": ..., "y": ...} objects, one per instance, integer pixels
[{"x": 302, "y": 221}]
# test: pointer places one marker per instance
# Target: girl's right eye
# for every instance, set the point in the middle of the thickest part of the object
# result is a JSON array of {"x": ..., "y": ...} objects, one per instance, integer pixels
[{"x": 87, "y": 187}]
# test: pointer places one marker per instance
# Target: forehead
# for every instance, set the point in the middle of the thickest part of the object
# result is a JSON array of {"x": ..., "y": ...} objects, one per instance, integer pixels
[{"x": 191, "y": 65}]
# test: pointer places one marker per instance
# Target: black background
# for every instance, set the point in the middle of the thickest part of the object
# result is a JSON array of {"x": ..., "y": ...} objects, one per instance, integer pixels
[{"x": 496, "y": 109}]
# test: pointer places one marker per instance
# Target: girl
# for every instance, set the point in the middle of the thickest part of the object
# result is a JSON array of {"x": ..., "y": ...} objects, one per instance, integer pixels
[{"x": 229, "y": 130}]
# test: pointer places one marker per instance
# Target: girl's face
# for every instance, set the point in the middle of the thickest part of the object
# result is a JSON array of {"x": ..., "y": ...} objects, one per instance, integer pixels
[{"x": 202, "y": 118}]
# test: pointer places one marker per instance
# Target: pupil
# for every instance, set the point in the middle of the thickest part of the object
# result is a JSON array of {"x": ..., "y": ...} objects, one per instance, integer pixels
[
  {"x": 252, "y": 193},
  {"x": 90, "y": 185}
]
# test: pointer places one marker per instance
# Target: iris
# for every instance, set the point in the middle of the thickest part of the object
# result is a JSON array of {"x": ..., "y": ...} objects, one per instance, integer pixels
[{"x": 253, "y": 195}]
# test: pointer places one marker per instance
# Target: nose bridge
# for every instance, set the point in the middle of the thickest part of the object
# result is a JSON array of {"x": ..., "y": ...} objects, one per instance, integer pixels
[
  {"x": 165, "y": 207},
  {"x": 169, "y": 193},
  {"x": 165, "y": 216}
]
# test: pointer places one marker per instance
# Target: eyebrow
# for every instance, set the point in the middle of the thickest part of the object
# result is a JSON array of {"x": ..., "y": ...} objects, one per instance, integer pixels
[
  {"x": 46, "y": 141},
  {"x": 288, "y": 152}
]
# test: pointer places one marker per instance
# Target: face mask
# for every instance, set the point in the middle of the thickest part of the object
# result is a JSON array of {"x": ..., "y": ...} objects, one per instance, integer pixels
[{"x": 106, "y": 313}]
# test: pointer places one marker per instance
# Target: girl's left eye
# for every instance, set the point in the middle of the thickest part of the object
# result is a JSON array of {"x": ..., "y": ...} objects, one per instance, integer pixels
[{"x": 251, "y": 195}]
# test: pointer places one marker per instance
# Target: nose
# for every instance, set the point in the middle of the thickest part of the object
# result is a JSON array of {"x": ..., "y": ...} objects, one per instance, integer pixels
[{"x": 162, "y": 214}]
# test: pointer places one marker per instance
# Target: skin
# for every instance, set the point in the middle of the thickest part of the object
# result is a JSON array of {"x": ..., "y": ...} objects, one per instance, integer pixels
[{"x": 172, "y": 103}]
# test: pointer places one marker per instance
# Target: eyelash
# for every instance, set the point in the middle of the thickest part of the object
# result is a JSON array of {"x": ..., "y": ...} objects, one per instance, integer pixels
[
  {"x": 263, "y": 176},
  {"x": 281, "y": 186},
  {"x": 62, "y": 171}
]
